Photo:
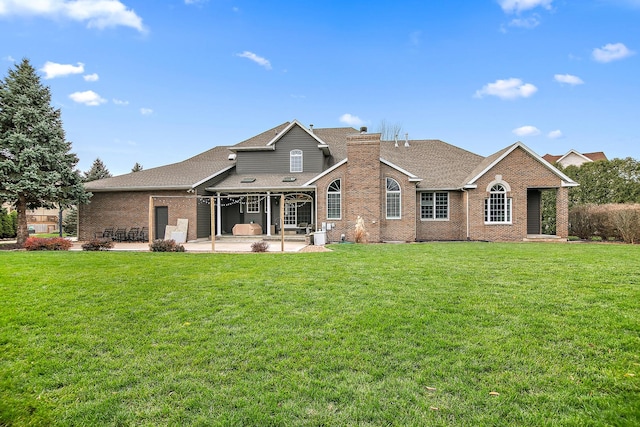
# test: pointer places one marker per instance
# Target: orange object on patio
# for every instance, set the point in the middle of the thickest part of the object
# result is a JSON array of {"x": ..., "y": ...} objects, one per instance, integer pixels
[{"x": 247, "y": 230}]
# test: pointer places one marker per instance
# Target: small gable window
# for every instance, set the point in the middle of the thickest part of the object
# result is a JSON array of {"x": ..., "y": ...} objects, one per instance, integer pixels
[
  {"x": 497, "y": 207},
  {"x": 393, "y": 199},
  {"x": 334, "y": 200},
  {"x": 295, "y": 161}
]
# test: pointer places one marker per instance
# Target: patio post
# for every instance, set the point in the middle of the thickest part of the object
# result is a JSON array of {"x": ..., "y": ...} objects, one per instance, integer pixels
[
  {"x": 282, "y": 222},
  {"x": 213, "y": 223}
]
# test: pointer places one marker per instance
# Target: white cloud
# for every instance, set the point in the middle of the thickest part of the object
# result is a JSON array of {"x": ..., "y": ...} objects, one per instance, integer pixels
[
  {"x": 529, "y": 23},
  {"x": 611, "y": 52},
  {"x": 91, "y": 77},
  {"x": 351, "y": 120},
  {"x": 507, "y": 89},
  {"x": 96, "y": 13},
  {"x": 146, "y": 111},
  {"x": 120, "y": 102},
  {"x": 194, "y": 1},
  {"x": 88, "y": 97},
  {"x": 517, "y": 6},
  {"x": 568, "y": 79},
  {"x": 255, "y": 58},
  {"x": 555, "y": 134},
  {"x": 52, "y": 70},
  {"x": 10, "y": 58},
  {"x": 527, "y": 131}
]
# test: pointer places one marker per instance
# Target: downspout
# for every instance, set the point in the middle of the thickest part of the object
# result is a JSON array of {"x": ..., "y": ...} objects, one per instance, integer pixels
[{"x": 466, "y": 197}]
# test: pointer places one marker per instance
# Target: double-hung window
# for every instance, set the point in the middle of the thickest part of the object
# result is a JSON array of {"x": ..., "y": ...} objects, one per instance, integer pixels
[
  {"x": 334, "y": 200},
  {"x": 393, "y": 199},
  {"x": 253, "y": 204},
  {"x": 497, "y": 208},
  {"x": 434, "y": 206},
  {"x": 295, "y": 161}
]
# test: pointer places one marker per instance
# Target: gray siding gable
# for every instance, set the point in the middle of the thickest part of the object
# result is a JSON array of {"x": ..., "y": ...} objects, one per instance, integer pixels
[{"x": 277, "y": 161}]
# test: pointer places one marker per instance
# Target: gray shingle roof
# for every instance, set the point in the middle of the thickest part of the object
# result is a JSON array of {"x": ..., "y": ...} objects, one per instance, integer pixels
[
  {"x": 440, "y": 165},
  {"x": 181, "y": 175},
  {"x": 263, "y": 181}
]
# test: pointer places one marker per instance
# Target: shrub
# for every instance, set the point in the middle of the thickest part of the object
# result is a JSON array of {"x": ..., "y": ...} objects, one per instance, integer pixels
[
  {"x": 169, "y": 245},
  {"x": 98, "y": 245},
  {"x": 614, "y": 221},
  {"x": 47, "y": 244},
  {"x": 8, "y": 223},
  {"x": 627, "y": 221},
  {"x": 260, "y": 246}
]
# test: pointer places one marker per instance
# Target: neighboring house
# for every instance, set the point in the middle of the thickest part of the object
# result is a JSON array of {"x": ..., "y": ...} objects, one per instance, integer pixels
[
  {"x": 574, "y": 158},
  {"x": 404, "y": 190},
  {"x": 41, "y": 220}
]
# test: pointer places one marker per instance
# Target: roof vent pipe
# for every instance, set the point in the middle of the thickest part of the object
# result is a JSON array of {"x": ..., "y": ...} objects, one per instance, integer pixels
[
  {"x": 396, "y": 140},
  {"x": 311, "y": 128},
  {"x": 363, "y": 129},
  {"x": 406, "y": 139}
]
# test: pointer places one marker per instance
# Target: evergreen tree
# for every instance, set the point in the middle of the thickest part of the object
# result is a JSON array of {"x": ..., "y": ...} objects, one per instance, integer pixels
[
  {"x": 98, "y": 171},
  {"x": 37, "y": 168},
  {"x": 70, "y": 222},
  {"x": 137, "y": 167}
]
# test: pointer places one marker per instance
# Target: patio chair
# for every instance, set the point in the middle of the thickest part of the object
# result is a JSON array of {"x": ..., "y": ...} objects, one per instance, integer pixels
[
  {"x": 143, "y": 235},
  {"x": 132, "y": 235},
  {"x": 121, "y": 235},
  {"x": 106, "y": 234}
]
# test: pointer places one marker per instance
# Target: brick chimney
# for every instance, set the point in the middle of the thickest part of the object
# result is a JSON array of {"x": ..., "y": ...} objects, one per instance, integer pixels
[{"x": 363, "y": 184}]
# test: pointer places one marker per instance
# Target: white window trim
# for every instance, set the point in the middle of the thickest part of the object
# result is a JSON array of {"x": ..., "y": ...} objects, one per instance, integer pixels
[
  {"x": 399, "y": 193},
  {"x": 433, "y": 195},
  {"x": 295, "y": 154},
  {"x": 253, "y": 201},
  {"x": 508, "y": 205},
  {"x": 335, "y": 192}
]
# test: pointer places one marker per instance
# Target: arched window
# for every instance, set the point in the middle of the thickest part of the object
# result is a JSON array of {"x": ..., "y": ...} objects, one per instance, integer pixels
[
  {"x": 497, "y": 208},
  {"x": 295, "y": 161},
  {"x": 334, "y": 200},
  {"x": 393, "y": 199}
]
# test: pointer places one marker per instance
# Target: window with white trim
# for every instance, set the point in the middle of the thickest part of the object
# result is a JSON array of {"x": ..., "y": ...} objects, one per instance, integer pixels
[
  {"x": 434, "y": 205},
  {"x": 253, "y": 204},
  {"x": 295, "y": 161},
  {"x": 334, "y": 200},
  {"x": 393, "y": 199},
  {"x": 497, "y": 207}
]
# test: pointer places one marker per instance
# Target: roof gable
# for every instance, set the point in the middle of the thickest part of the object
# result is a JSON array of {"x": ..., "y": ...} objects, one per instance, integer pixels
[{"x": 496, "y": 158}]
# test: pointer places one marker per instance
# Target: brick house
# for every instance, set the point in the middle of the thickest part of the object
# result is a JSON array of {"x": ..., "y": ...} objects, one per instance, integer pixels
[{"x": 407, "y": 190}]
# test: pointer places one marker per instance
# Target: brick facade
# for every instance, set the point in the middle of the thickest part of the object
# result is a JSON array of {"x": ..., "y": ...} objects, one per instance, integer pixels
[
  {"x": 131, "y": 209},
  {"x": 452, "y": 229},
  {"x": 520, "y": 171}
]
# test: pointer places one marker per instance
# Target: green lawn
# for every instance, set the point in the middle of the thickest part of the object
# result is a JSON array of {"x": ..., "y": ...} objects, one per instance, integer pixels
[{"x": 367, "y": 335}]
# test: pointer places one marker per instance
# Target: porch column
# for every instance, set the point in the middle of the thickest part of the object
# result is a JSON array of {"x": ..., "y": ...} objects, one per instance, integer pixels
[
  {"x": 268, "y": 213},
  {"x": 562, "y": 212},
  {"x": 218, "y": 216}
]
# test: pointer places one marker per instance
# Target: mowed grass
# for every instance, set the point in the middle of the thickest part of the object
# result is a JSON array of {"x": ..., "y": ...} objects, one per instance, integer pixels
[{"x": 366, "y": 335}]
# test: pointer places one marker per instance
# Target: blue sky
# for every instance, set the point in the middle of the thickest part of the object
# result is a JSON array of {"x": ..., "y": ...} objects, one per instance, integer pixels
[{"x": 156, "y": 82}]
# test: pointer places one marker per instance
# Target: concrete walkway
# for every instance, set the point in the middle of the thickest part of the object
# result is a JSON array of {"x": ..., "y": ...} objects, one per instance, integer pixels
[{"x": 205, "y": 246}]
